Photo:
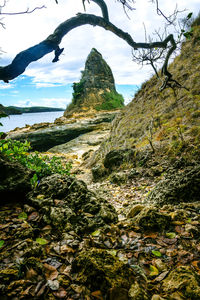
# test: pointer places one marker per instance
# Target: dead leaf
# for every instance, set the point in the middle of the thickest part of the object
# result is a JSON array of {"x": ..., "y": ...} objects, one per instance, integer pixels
[
  {"x": 151, "y": 235},
  {"x": 161, "y": 276},
  {"x": 60, "y": 294},
  {"x": 31, "y": 273},
  {"x": 196, "y": 265},
  {"x": 50, "y": 273},
  {"x": 97, "y": 295},
  {"x": 153, "y": 271},
  {"x": 66, "y": 249}
]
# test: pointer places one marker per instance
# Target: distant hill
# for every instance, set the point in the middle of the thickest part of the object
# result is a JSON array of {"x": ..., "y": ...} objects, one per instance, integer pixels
[{"x": 15, "y": 110}]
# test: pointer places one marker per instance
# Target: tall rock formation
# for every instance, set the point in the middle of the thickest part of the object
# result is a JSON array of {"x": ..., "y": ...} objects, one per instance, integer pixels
[{"x": 96, "y": 88}]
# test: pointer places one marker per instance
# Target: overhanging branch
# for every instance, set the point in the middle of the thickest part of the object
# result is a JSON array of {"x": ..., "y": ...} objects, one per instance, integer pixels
[{"x": 24, "y": 58}]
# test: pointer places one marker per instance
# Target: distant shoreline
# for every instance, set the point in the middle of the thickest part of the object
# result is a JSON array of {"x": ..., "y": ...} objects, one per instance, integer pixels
[{"x": 15, "y": 110}]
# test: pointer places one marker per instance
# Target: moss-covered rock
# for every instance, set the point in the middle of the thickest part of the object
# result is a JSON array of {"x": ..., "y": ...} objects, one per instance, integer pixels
[
  {"x": 99, "y": 270},
  {"x": 65, "y": 200},
  {"x": 178, "y": 187},
  {"x": 184, "y": 280},
  {"x": 98, "y": 172},
  {"x": 150, "y": 218}
]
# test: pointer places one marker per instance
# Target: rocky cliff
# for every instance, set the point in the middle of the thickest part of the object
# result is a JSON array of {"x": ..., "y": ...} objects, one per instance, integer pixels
[{"x": 96, "y": 88}]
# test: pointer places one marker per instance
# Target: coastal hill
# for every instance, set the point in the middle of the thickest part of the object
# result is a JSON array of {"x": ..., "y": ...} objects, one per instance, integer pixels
[
  {"x": 15, "y": 110},
  {"x": 96, "y": 88},
  {"x": 165, "y": 123}
]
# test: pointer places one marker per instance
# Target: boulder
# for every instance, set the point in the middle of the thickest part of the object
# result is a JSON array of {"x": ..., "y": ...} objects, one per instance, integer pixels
[
  {"x": 115, "y": 158},
  {"x": 99, "y": 270},
  {"x": 183, "y": 186},
  {"x": 150, "y": 218},
  {"x": 66, "y": 203},
  {"x": 14, "y": 181}
]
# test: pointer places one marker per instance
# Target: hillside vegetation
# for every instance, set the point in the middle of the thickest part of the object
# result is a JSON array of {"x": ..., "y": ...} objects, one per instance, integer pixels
[{"x": 166, "y": 122}]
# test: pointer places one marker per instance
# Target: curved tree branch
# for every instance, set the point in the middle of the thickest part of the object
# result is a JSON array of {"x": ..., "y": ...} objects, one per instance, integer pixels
[
  {"x": 103, "y": 7},
  {"x": 51, "y": 43}
]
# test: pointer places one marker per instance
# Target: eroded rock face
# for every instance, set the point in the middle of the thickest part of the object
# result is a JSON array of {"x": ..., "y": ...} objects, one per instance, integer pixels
[
  {"x": 14, "y": 181},
  {"x": 67, "y": 204},
  {"x": 96, "y": 88},
  {"x": 178, "y": 187}
]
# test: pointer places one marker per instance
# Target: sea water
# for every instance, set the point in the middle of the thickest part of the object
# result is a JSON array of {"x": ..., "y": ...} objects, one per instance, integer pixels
[{"x": 13, "y": 121}]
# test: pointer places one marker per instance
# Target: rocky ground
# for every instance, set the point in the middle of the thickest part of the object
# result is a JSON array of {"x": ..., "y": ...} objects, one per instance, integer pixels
[{"x": 131, "y": 235}]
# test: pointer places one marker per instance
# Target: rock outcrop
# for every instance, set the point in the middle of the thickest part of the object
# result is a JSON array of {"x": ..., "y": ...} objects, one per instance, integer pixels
[
  {"x": 45, "y": 135},
  {"x": 96, "y": 88},
  {"x": 66, "y": 203},
  {"x": 14, "y": 181}
]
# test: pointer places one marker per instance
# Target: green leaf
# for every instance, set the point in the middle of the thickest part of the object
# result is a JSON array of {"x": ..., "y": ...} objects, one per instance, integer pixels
[
  {"x": 170, "y": 235},
  {"x": 41, "y": 241},
  {"x": 154, "y": 271},
  {"x": 112, "y": 252},
  {"x": 96, "y": 233},
  {"x": 22, "y": 216},
  {"x": 156, "y": 253},
  {"x": 1, "y": 243}
]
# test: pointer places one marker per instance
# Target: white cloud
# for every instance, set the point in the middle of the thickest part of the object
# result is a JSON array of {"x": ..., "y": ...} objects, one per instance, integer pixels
[
  {"x": 6, "y": 86},
  {"x": 26, "y": 30},
  {"x": 49, "y": 102}
]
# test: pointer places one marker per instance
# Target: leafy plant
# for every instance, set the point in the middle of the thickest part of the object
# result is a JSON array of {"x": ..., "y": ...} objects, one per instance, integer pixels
[
  {"x": 112, "y": 101},
  {"x": 42, "y": 165}
]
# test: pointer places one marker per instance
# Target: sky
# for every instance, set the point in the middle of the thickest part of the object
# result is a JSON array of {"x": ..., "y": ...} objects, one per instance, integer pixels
[{"x": 50, "y": 84}]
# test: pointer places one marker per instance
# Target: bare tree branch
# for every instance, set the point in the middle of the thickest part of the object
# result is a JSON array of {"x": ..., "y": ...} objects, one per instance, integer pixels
[
  {"x": 27, "y": 11},
  {"x": 102, "y": 5}
]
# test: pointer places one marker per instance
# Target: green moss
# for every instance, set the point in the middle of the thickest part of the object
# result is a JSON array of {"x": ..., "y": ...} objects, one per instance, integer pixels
[{"x": 112, "y": 100}]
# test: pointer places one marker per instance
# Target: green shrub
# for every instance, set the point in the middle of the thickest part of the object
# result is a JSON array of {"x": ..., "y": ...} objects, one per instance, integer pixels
[
  {"x": 112, "y": 100},
  {"x": 42, "y": 165}
]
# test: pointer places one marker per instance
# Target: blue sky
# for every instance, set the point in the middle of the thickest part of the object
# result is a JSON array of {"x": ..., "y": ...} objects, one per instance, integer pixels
[
  {"x": 23, "y": 92},
  {"x": 48, "y": 84}
]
